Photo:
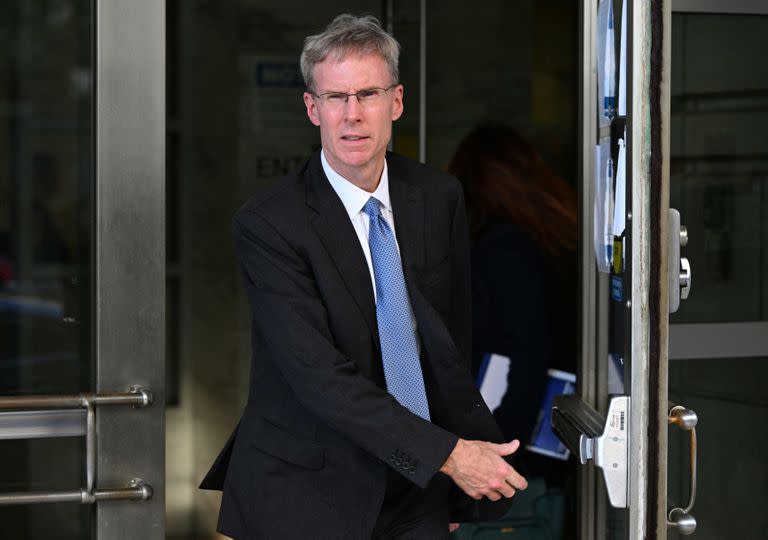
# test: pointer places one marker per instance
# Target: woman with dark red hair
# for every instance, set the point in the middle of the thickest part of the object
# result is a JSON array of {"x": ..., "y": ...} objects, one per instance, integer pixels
[{"x": 524, "y": 233}]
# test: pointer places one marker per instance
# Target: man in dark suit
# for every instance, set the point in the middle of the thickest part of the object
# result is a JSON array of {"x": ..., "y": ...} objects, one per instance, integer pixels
[{"x": 362, "y": 419}]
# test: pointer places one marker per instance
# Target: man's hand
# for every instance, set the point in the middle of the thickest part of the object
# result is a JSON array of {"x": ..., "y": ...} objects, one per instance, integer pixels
[
  {"x": 452, "y": 527},
  {"x": 478, "y": 468}
]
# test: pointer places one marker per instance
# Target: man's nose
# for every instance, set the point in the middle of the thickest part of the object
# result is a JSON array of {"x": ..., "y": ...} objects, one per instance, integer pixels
[{"x": 352, "y": 109}]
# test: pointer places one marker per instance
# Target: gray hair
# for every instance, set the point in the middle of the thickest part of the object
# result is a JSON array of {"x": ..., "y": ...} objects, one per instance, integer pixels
[{"x": 349, "y": 33}]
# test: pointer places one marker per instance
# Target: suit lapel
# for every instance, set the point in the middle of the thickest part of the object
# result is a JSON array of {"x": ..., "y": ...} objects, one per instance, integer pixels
[
  {"x": 337, "y": 234},
  {"x": 408, "y": 209}
]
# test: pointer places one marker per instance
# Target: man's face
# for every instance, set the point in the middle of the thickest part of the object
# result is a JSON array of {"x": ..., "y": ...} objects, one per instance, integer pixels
[{"x": 354, "y": 136}]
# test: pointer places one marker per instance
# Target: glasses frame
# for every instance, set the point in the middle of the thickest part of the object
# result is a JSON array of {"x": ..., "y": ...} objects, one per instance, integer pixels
[{"x": 348, "y": 95}]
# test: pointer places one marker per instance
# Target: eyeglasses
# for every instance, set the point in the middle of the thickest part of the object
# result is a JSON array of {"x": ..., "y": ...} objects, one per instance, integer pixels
[{"x": 366, "y": 96}]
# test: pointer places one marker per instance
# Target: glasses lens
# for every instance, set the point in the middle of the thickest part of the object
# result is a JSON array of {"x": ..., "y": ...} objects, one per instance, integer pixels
[
  {"x": 369, "y": 95},
  {"x": 335, "y": 98}
]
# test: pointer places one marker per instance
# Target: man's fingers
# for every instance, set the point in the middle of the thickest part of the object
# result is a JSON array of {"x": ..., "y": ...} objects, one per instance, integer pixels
[
  {"x": 507, "y": 490},
  {"x": 507, "y": 448},
  {"x": 516, "y": 480}
]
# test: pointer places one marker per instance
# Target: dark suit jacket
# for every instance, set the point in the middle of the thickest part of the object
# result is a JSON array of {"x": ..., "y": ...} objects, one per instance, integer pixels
[{"x": 309, "y": 456}]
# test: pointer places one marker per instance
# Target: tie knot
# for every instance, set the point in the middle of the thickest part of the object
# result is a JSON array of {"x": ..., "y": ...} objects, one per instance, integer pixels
[{"x": 372, "y": 208}]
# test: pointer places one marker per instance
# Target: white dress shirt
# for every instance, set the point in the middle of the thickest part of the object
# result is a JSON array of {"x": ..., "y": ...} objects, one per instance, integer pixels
[{"x": 354, "y": 198}]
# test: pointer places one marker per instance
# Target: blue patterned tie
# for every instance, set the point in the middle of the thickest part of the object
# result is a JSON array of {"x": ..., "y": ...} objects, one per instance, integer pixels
[{"x": 399, "y": 350}]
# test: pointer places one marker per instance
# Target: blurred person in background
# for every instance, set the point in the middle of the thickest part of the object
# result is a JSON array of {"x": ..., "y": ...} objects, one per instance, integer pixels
[{"x": 523, "y": 233}]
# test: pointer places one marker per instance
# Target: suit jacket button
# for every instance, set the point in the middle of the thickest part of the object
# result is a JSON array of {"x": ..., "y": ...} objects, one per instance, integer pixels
[
  {"x": 398, "y": 461},
  {"x": 392, "y": 458}
]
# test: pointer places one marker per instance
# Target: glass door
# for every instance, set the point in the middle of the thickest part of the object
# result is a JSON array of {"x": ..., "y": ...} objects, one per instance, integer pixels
[
  {"x": 719, "y": 337},
  {"x": 82, "y": 269},
  {"x": 616, "y": 423},
  {"x": 695, "y": 142}
]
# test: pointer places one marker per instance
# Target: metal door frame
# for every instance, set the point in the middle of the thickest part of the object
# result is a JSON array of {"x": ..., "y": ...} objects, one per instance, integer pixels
[
  {"x": 129, "y": 265},
  {"x": 125, "y": 446},
  {"x": 648, "y": 177},
  {"x": 732, "y": 7},
  {"x": 594, "y": 307},
  {"x": 647, "y": 316}
]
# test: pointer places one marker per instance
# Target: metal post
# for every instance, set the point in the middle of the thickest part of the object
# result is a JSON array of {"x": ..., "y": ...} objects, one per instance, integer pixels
[
  {"x": 589, "y": 502},
  {"x": 130, "y": 256},
  {"x": 639, "y": 38}
]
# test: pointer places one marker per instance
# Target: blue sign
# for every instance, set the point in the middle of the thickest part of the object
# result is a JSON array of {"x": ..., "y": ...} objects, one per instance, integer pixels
[{"x": 617, "y": 288}]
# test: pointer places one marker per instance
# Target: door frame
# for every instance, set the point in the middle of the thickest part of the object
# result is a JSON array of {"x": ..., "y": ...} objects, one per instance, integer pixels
[
  {"x": 648, "y": 189},
  {"x": 129, "y": 260},
  {"x": 648, "y": 178}
]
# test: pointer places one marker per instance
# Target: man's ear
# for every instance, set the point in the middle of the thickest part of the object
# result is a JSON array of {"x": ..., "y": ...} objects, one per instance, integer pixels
[
  {"x": 397, "y": 105},
  {"x": 309, "y": 102}
]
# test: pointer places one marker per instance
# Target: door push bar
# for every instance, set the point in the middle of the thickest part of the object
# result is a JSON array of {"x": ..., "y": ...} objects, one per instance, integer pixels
[
  {"x": 603, "y": 440},
  {"x": 137, "y": 490}
]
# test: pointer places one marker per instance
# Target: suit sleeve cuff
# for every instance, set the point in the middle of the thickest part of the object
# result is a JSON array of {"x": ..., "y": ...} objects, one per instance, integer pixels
[{"x": 421, "y": 469}]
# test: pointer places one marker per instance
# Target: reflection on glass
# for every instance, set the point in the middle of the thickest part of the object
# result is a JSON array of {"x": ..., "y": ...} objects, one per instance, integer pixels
[
  {"x": 719, "y": 183},
  {"x": 719, "y": 163},
  {"x": 45, "y": 223},
  {"x": 511, "y": 63},
  {"x": 728, "y": 395},
  {"x": 45, "y": 250}
]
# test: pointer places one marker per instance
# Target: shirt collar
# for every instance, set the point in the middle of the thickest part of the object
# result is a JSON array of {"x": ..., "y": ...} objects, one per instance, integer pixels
[{"x": 352, "y": 197}]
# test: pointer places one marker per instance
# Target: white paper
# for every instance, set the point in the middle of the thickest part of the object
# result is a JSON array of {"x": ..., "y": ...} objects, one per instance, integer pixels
[
  {"x": 608, "y": 213},
  {"x": 619, "y": 212},
  {"x": 615, "y": 375},
  {"x": 603, "y": 206},
  {"x": 494, "y": 384},
  {"x": 623, "y": 62}
]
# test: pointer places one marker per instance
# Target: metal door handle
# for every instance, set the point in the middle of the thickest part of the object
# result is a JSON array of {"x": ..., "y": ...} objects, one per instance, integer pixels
[
  {"x": 680, "y": 517},
  {"x": 137, "y": 396},
  {"x": 137, "y": 490}
]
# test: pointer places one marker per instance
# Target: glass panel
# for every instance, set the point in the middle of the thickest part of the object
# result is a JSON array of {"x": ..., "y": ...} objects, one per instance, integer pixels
[
  {"x": 720, "y": 163},
  {"x": 516, "y": 65},
  {"x": 45, "y": 225},
  {"x": 29, "y": 465},
  {"x": 45, "y": 244},
  {"x": 236, "y": 123},
  {"x": 501, "y": 115},
  {"x": 729, "y": 397},
  {"x": 720, "y": 185},
  {"x": 406, "y": 26}
]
